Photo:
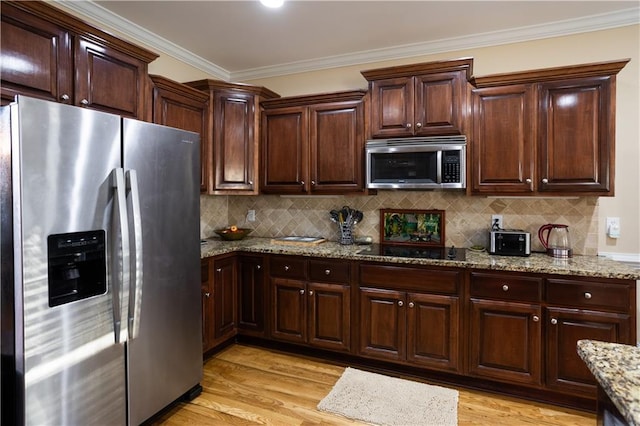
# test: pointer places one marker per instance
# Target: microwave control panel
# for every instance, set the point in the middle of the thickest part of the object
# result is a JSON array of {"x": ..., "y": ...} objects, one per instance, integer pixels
[{"x": 451, "y": 167}]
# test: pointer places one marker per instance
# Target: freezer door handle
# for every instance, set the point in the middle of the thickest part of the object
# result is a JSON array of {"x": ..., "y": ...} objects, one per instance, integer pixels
[
  {"x": 135, "y": 289},
  {"x": 120, "y": 280}
]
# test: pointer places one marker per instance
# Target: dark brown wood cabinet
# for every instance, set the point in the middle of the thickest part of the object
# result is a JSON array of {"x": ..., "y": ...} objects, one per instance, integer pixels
[
  {"x": 545, "y": 132},
  {"x": 595, "y": 309},
  {"x": 219, "y": 300},
  {"x": 234, "y": 136},
  {"x": 183, "y": 107},
  {"x": 207, "y": 304},
  {"x": 313, "y": 144},
  {"x": 251, "y": 295},
  {"x": 411, "y": 315},
  {"x": 419, "y": 99},
  {"x": 51, "y": 55},
  {"x": 308, "y": 306}
]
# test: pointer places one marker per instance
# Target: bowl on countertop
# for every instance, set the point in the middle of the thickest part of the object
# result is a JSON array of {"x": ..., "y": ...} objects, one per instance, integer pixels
[{"x": 238, "y": 234}]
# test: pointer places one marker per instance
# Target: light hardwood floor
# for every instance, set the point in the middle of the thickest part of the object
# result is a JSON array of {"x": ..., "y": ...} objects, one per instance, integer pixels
[{"x": 245, "y": 385}]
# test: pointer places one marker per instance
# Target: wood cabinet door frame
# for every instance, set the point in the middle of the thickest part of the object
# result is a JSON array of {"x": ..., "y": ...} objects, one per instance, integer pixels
[
  {"x": 382, "y": 324},
  {"x": 329, "y": 310},
  {"x": 251, "y": 295},
  {"x": 289, "y": 310},
  {"x": 433, "y": 331},
  {"x": 392, "y": 107},
  {"x": 225, "y": 298},
  {"x": 565, "y": 371},
  {"x": 439, "y": 104},
  {"x": 505, "y": 341},
  {"x": 207, "y": 304}
]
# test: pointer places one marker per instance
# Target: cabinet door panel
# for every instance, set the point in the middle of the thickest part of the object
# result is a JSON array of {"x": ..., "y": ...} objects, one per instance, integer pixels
[
  {"x": 565, "y": 370},
  {"x": 382, "y": 324},
  {"x": 505, "y": 341},
  {"x": 207, "y": 305},
  {"x": 289, "y": 310},
  {"x": 439, "y": 104},
  {"x": 392, "y": 102},
  {"x": 36, "y": 57},
  {"x": 433, "y": 332},
  {"x": 225, "y": 298},
  {"x": 575, "y": 136},
  {"x": 108, "y": 80},
  {"x": 503, "y": 139},
  {"x": 251, "y": 306},
  {"x": 285, "y": 157},
  {"x": 234, "y": 141},
  {"x": 329, "y": 316},
  {"x": 336, "y": 143}
]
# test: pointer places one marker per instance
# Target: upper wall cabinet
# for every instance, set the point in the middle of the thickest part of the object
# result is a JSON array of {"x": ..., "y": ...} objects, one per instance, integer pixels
[
  {"x": 183, "y": 107},
  {"x": 420, "y": 99},
  {"x": 51, "y": 55},
  {"x": 313, "y": 144},
  {"x": 235, "y": 115},
  {"x": 545, "y": 132}
]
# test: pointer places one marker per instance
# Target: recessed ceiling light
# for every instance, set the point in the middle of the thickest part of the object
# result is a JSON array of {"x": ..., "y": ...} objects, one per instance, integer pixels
[{"x": 272, "y": 3}]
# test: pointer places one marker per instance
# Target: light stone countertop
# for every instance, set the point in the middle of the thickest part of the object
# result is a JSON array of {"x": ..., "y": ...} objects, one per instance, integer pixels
[
  {"x": 586, "y": 266},
  {"x": 617, "y": 368}
]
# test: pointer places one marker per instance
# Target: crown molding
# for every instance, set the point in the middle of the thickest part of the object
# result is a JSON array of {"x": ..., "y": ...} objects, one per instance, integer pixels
[{"x": 535, "y": 32}]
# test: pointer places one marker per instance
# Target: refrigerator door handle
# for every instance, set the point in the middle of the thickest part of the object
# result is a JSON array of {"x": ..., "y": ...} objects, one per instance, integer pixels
[
  {"x": 120, "y": 281},
  {"x": 135, "y": 289}
]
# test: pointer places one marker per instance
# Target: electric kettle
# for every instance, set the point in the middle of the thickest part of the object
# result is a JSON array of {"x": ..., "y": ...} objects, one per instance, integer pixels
[{"x": 555, "y": 238}]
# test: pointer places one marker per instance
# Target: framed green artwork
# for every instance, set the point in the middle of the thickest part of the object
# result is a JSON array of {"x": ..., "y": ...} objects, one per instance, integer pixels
[{"x": 412, "y": 227}]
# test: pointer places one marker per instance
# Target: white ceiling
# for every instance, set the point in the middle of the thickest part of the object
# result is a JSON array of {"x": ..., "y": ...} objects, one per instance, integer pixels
[{"x": 242, "y": 40}]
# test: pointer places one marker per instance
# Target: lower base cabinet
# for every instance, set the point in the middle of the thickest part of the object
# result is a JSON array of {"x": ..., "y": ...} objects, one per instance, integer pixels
[
  {"x": 219, "y": 301},
  {"x": 251, "y": 295}
]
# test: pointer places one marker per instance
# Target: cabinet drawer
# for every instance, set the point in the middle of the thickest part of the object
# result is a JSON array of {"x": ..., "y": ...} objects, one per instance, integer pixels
[
  {"x": 507, "y": 287},
  {"x": 329, "y": 271},
  {"x": 407, "y": 278},
  {"x": 590, "y": 295},
  {"x": 288, "y": 267}
]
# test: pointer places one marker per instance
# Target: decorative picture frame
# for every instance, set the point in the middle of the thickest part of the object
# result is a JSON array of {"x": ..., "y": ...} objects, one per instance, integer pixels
[{"x": 412, "y": 227}]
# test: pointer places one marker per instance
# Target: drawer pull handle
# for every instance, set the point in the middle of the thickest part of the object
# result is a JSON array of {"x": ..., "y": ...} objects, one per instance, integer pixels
[
  {"x": 400, "y": 303},
  {"x": 207, "y": 294},
  {"x": 302, "y": 291},
  {"x": 587, "y": 295},
  {"x": 258, "y": 267},
  {"x": 327, "y": 271},
  {"x": 505, "y": 287},
  {"x": 554, "y": 321},
  {"x": 218, "y": 269},
  {"x": 411, "y": 305},
  {"x": 310, "y": 292},
  {"x": 536, "y": 318},
  {"x": 286, "y": 267}
]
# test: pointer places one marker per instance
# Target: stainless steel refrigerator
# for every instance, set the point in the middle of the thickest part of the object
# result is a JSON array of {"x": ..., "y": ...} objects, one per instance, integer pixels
[{"x": 100, "y": 249}]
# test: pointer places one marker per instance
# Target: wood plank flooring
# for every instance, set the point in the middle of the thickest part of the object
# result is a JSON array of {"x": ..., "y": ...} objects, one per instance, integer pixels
[{"x": 245, "y": 385}]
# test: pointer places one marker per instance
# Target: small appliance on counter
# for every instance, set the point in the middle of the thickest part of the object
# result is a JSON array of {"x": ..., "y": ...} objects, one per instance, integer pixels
[
  {"x": 555, "y": 238},
  {"x": 510, "y": 242}
]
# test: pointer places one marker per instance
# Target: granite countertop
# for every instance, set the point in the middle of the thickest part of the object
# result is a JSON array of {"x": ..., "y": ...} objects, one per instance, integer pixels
[
  {"x": 617, "y": 369},
  {"x": 587, "y": 266}
]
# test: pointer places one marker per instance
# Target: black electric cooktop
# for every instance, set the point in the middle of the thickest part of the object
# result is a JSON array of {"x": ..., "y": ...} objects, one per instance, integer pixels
[{"x": 447, "y": 253}]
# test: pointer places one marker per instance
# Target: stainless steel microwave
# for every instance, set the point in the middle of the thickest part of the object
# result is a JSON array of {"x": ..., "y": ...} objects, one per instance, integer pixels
[{"x": 437, "y": 162}]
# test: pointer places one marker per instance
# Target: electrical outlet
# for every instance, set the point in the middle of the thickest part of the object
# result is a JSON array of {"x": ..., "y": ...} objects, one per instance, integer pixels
[
  {"x": 496, "y": 222},
  {"x": 613, "y": 227},
  {"x": 251, "y": 216}
]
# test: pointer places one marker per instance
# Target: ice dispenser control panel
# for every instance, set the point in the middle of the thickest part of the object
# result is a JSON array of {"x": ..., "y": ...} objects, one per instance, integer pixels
[{"x": 77, "y": 266}]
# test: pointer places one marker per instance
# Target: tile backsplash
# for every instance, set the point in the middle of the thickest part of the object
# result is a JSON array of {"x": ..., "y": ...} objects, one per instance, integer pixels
[{"x": 467, "y": 218}]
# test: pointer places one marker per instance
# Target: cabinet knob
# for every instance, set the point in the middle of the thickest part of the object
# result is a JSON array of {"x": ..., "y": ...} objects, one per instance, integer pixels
[
  {"x": 554, "y": 321},
  {"x": 84, "y": 102},
  {"x": 528, "y": 180},
  {"x": 505, "y": 287},
  {"x": 301, "y": 291},
  {"x": 327, "y": 271},
  {"x": 313, "y": 182},
  {"x": 65, "y": 97},
  {"x": 545, "y": 180},
  {"x": 250, "y": 182},
  {"x": 411, "y": 305},
  {"x": 302, "y": 182},
  {"x": 207, "y": 294},
  {"x": 400, "y": 303},
  {"x": 587, "y": 295},
  {"x": 418, "y": 125},
  {"x": 258, "y": 267},
  {"x": 408, "y": 125},
  {"x": 536, "y": 318},
  {"x": 286, "y": 267},
  {"x": 218, "y": 269},
  {"x": 310, "y": 292}
]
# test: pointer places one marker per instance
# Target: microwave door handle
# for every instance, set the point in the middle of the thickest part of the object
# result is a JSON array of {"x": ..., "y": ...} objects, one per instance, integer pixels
[
  {"x": 135, "y": 290},
  {"x": 439, "y": 166},
  {"x": 120, "y": 280}
]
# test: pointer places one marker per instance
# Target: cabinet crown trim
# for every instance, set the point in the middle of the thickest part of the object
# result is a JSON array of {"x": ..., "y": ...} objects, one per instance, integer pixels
[
  {"x": 209, "y": 84},
  {"x": 597, "y": 69},
  {"x": 179, "y": 88},
  {"x": 462, "y": 64},
  {"x": 351, "y": 95}
]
